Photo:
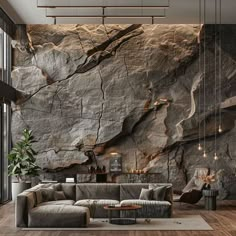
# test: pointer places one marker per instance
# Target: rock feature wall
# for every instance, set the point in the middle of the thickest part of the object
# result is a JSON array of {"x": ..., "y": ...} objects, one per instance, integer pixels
[{"x": 131, "y": 89}]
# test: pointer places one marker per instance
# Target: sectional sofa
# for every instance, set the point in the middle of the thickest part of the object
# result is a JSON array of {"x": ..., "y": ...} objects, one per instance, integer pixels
[{"x": 37, "y": 207}]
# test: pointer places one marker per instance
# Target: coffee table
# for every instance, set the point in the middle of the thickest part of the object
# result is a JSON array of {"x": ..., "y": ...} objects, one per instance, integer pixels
[{"x": 122, "y": 220}]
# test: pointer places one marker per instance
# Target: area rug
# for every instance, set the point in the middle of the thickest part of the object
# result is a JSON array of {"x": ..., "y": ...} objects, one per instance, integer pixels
[{"x": 187, "y": 222}]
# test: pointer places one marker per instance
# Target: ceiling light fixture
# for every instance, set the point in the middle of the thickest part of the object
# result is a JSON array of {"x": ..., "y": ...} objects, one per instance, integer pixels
[
  {"x": 101, "y": 3},
  {"x": 220, "y": 69},
  {"x": 200, "y": 74},
  {"x": 204, "y": 85},
  {"x": 105, "y": 20},
  {"x": 215, "y": 85},
  {"x": 105, "y": 11}
]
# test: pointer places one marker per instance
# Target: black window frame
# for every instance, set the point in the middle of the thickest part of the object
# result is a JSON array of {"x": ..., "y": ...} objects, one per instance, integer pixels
[{"x": 5, "y": 110}]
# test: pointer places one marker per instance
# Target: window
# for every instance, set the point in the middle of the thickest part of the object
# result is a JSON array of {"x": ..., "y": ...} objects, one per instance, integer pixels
[{"x": 5, "y": 112}]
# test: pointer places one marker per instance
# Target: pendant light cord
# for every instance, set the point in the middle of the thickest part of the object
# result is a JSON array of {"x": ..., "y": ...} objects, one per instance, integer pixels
[
  {"x": 220, "y": 64},
  {"x": 215, "y": 82},
  {"x": 200, "y": 74},
  {"x": 204, "y": 80}
]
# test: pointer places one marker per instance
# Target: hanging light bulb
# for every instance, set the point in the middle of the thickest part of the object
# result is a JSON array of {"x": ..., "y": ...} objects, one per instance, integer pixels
[
  {"x": 215, "y": 157},
  {"x": 204, "y": 154},
  {"x": 200, "y": 73},
  {"x": 220, "y": 129},
  {"x": 199, "y": 147}
]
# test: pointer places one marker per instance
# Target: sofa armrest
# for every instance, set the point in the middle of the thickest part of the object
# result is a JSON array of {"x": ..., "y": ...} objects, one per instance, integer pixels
[{"x": 24, "y": 202}]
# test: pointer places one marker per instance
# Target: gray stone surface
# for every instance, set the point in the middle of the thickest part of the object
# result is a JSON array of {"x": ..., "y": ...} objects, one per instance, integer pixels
[{"x": 94, "y": 87}]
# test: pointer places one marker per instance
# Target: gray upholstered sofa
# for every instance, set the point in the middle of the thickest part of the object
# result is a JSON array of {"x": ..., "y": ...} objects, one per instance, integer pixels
[{"x": 74, "y": 211}]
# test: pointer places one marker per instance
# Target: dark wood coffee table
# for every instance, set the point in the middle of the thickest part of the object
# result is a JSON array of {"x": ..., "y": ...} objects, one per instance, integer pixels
[{"x": 122, "y": 220}]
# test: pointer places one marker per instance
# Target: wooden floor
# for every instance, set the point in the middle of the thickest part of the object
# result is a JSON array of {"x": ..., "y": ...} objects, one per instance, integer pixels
[{"x": 223, "y": 221}]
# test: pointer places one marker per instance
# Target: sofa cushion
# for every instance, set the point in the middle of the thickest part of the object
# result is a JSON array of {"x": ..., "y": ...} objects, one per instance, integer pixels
[
  {"x": 47, "y": 194},
  {"x": 58, "y": 216},
  {"x": 144, "y": 202},
  {"x": 98, "y": 210},
  {"x": 59, "y": 195},
  {"x": 98, "y": 191},
  {"x": 36, "y": 191},
  {"x": 150, "y": 209},
  {"x": 39, "y": 186},
  {"x": 59, "y": 202},
  {"x": 57, "y": 186},
  {"x": 69, "y": 190},
  {"x": 102, "y": 202},
  {"x": 131, "y": 191},
  {"x": 168, "y": 193},
  {"x": 39, "y": 197},
  {"x": 158, "y": 193},
  {"x": 146, "y": 194}
]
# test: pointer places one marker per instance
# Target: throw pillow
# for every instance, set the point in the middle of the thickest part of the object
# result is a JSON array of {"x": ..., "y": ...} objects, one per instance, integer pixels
[
  {"x": 59, "y": 195},
  {"x": 169, "y": 194},
  {"x": 159, "y": 193},
  {"x": 47, "y": 194},
  {"x": 69, "y": 191},
  {"x": 39, "y": 198},
  {"x": 56, "y": 187},
  {"x": 146, "y": 194}
]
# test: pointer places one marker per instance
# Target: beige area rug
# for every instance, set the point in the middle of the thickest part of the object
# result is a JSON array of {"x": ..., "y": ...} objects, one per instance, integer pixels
[{"x": 188, "y": 222}]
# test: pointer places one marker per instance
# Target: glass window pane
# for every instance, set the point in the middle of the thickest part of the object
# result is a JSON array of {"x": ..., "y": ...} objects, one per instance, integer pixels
[
  {"x": 6, "y": 147},
  {"x": 5, "y": 112},
  {"x": 1, "y": 53}
]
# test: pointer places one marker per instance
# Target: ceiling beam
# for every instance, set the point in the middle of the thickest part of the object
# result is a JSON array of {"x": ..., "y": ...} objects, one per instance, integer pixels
[
  {"x": 102, "y": 3},
  {"x": 105, "y": 12}
]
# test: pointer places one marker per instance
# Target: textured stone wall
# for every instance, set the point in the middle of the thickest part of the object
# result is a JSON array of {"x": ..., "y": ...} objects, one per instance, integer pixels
[{"x": 102, "y": 87}]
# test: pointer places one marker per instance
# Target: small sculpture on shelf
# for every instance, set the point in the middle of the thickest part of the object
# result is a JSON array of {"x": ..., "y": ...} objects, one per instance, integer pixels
[
  {"x": 92, "y": 157},
  {"x": 137, "y": 171},
  {"x": 97, "y": 170},
  {"x": 92, "y": 170}
]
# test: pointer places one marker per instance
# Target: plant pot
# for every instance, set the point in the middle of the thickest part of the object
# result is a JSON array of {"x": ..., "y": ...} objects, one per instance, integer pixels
[{"x": 17, "y": 188}]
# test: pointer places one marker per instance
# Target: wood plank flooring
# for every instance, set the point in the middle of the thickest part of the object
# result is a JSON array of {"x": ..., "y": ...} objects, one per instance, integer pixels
[{"x": 223, "y": 221}]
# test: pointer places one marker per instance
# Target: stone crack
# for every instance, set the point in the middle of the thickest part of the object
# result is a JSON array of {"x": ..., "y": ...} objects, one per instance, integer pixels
[
  {"x": 102, "y": 110},
  {"x": 95, "y": 56}
]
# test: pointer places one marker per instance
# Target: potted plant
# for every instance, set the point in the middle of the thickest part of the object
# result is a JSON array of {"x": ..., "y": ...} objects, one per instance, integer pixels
[{"x": 22, "y": 163}]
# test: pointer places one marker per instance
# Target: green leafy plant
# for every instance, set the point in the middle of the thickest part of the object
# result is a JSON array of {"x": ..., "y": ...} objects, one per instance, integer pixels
[{"x": 21, "y": 158}]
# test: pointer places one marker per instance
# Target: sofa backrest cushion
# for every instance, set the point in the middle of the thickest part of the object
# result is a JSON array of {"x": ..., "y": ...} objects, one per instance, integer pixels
[
  {"x": 69, "y": 191},
  {"x": 131, "y": 191},
  {"x": 97, "y": 191},
  {"x": 57, "y": 187},
  {"x": 39, "y": 186},
  {"x": 168, "y": 193}
]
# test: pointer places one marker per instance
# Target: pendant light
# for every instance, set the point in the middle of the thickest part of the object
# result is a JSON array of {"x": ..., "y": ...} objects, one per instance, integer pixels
[
  {"x": 200, "y": 74},
  {"x": 204, "y": 85},
  {"x": 215, "y": 84},
  {"x": 220, "y": 70}
]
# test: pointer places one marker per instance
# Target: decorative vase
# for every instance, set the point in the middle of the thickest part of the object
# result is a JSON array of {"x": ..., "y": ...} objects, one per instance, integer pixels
[{"x": 208, "y": 186}]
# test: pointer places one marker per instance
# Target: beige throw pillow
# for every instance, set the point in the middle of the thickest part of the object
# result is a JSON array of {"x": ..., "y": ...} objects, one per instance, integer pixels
[{"x": 59, "y": 195}]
